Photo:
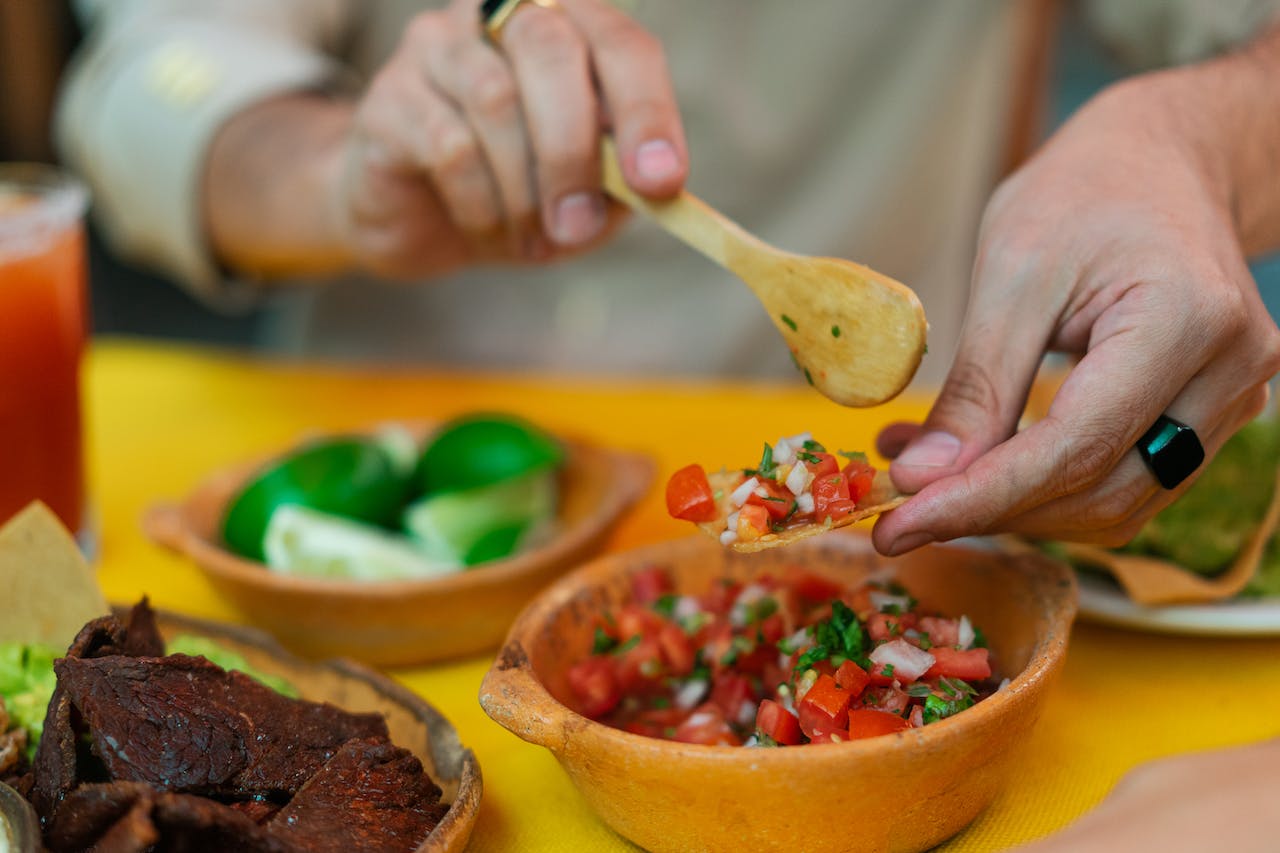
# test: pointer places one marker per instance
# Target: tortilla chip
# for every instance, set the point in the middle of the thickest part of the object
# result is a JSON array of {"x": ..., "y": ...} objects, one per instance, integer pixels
[
  {"x": 49, "y": 591},
  {"x": 883, "y": 497}
]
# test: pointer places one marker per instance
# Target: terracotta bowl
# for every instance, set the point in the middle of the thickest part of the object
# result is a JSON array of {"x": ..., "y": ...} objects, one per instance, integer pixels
[
  {"x": 414, "y": 724},
  {"x": 398, "y": 623},
  {"x": 901, "y": 792}
]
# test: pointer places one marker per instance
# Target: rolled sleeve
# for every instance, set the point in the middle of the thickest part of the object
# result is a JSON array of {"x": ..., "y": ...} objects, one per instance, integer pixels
[{"x": 137, "y": 114}]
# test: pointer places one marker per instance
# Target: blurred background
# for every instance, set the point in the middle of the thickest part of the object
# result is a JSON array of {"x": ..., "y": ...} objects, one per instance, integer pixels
[{"x": 37, "y": 36}]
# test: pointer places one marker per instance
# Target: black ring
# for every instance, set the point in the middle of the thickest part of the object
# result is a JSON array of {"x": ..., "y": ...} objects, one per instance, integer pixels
[{"x": 1172, "y": 451}]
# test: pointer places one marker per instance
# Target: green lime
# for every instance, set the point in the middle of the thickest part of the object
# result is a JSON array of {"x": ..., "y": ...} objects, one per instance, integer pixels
[
  {"x": 478, "y": 525},
  {"x": 480, "y": 450},
  {"x": 351, "y": 477}
]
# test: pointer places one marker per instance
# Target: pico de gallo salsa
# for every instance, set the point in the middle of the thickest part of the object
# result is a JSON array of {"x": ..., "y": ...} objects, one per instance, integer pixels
[
  {"x": 797, "y": 489},
  {"x": 777, "y": 662}
]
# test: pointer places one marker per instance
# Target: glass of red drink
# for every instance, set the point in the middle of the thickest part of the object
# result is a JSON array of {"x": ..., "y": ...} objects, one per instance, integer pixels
[{"x": 42, "y": 335}]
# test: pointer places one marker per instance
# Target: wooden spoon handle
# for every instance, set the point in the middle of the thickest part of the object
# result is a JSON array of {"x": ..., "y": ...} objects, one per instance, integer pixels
[{"x": 685, "y": 216}]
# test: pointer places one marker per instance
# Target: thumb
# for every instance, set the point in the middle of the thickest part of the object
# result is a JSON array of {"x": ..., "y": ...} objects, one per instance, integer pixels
[{"x": 979, "y": 405}]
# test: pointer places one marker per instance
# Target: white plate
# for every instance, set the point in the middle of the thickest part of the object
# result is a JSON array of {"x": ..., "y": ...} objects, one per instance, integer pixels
[{"x": 1101, "y": 600}]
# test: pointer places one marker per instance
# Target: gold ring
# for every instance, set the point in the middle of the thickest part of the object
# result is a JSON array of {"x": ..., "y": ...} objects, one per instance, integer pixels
[{"x": 494, "y": 14}]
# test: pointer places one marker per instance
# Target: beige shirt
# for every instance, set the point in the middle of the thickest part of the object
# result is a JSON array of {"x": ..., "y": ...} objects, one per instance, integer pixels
[{"x": 866, "y": 129}]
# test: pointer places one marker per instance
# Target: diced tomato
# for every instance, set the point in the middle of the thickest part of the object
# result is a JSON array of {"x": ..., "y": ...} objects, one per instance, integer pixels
[
  {"x": 729, "y": 691},
  {"x": 826, "y": 464},
  {"x": 776, "y": 722},
  {"x": 656, "y": 722},
  {"x": 826, "y": 490},
  {"x": 594, "y": 683},
  {"x": 891, "y": 699},
  {"x": 942, "y": 632},
  {"x": 753, "y": 522},
  {"x": 880, "y": 676},
  {"x": 861, "y": 477},
  {"x": 720, "y": 598},
  {"x": 778, "y": 500},
  {"x": 969, "y": 664},
  {"x": 689, "y": 495},
  {"x": 650, "y": 584},
  {"x": 853, "y": 678},
  {"x": 884, "y": 626},
  {"x": 815, "y": 588},
  {"x": 632, "y": 620},
  {"x": 677, "y": 649},
  {"x": 706, "y": 725},
  {"x": 773, "y": 628},
  {"x": 640, "y": 668},
  {"x": 836, "y": 510},
  {"x": 824, "y": 709},
  {"x": 867, "y": 722}
]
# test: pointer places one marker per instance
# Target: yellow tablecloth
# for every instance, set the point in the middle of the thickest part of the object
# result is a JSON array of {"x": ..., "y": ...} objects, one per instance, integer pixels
[{"x": 160, "y": 417}]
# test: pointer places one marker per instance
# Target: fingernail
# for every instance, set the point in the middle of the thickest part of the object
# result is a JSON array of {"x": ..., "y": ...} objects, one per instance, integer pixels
[
  {"x": 657, "y": 160},
  {"x": 910, "y": 542},
  {"x": 931, "y": 450},
  {"x": 578, "y": 218}
]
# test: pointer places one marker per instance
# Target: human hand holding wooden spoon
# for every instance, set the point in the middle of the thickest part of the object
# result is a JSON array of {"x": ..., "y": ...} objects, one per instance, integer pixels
[{"x": 857, "y": 335}]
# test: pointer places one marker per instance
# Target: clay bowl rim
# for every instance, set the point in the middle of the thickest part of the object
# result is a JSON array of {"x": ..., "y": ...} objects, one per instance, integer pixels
[
  {"x": 551, "y": 724},
  {"x": 168, "y": 523},
  {"x": 464, "y": 811}
]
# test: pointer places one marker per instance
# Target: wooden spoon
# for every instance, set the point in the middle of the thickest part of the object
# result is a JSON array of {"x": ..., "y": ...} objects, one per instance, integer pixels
[
  {"x": 857, "y": 335},
  {"x": 1152, "y": 581}
]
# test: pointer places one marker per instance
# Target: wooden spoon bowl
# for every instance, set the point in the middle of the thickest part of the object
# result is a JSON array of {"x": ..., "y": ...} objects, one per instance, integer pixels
[{"x": 857, "y": 335}]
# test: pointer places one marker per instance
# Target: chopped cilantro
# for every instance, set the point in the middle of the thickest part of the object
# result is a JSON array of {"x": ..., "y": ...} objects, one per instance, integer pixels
[
  {"x": 602, "y": 643},
  {"x": 813, "y": 446},
  {"x": 805, "y": 456},
  {"x": 628, "y": 645},
  {"x": 924, "y": 642},
  {"x": 919, "y": 691},
  {"x": 936, "y": 708},
  {"x": 887, "y": 672},
  {"x": 661, "y": 702},
  {"x": 958, "y": 686},
  {"x": 852, "y": 455},
  {"x": 791, "y": 324},
  {"x": 669, "y": 732},
  {"x": 811, "y": 656},
  {"x": 775, "y": 500},
  {"x": 764, "y": 740},
  {"x": 979, "y": 638},
  {"x": 718, "y": 495},
  {"x": 945, "y": 687},
  {"x": 665, "y": 605},
  {"x": 761, "y": 609},
  {"x": 835, "y": 331},
  {"x": 808, "y": 376}
]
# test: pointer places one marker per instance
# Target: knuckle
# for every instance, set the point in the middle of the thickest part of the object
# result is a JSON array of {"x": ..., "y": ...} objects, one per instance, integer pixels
[
  {"x": 622, "y": 35},
  {"x": 1268, "y": 351},
  {"x": 425, "y": 28},
  {"x": 968, "y": 386},
  {"x": 451, "y": 150},
  {"x": 493, "y": 92},
  {"x": 1115, "y": 508},
  {"x": 549, "y": 32},
  {"x": 1086, "y": 459}
]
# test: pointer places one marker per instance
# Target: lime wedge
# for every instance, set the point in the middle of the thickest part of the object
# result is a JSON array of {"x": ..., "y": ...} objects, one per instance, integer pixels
[
  {"x": 481, "y": 450},
  {"x": 302, "y": 541},
  {"x": 487, "y": 523},
  {"x": 351, "y": 477}
]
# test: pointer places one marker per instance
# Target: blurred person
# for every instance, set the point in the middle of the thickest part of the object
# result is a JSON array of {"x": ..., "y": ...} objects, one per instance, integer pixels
[{"x": 241, "y": 146}]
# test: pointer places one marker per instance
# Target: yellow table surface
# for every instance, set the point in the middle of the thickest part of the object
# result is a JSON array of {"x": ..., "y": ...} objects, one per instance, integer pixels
[{"x": 160, "y": 417}]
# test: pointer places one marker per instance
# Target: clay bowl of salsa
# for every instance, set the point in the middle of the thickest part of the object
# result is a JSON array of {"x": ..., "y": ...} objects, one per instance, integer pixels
[
  {"x": 405, "y": 621},
  {"x": 905, "y": 790}
]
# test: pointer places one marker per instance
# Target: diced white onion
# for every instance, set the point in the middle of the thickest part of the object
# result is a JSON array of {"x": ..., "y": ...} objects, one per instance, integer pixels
[
  {"x": 728, "y": 537},
  {"x": 699, "y": 719},
  {"x": 739, "y": 495},
  {"x": 760, "y": 492},
  {"x": 751, "y": 741},
  {"x": 799, "y": 479},
  {"x": 746, "y": 713},
  {"x": 909, "y": 662},
  {"x": 804, "y": 503},
  {"x": 884, "y": 600},
  {"x": 799, "y": 439},
  {"x": 804, "y": 682},
  {"x": 1003, "y": 685},
  {"x": 751, "y": 593},
  {"x": 967, "y": 635},
  {"x": 784, "y": 452},
  {"x": 686, "y": 607},
  {"x": 690, "y": 693},
  {"x": 731, "y": 523}
]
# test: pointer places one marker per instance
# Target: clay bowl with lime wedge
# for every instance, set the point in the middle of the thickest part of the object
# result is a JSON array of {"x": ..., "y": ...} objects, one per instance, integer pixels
[
  {"x": 401, "y": 620},
  {"x": 906, "y": 791}
]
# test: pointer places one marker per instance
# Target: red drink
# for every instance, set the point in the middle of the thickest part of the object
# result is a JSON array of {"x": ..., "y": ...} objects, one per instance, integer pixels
[{"x": 42, "y": 332}]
